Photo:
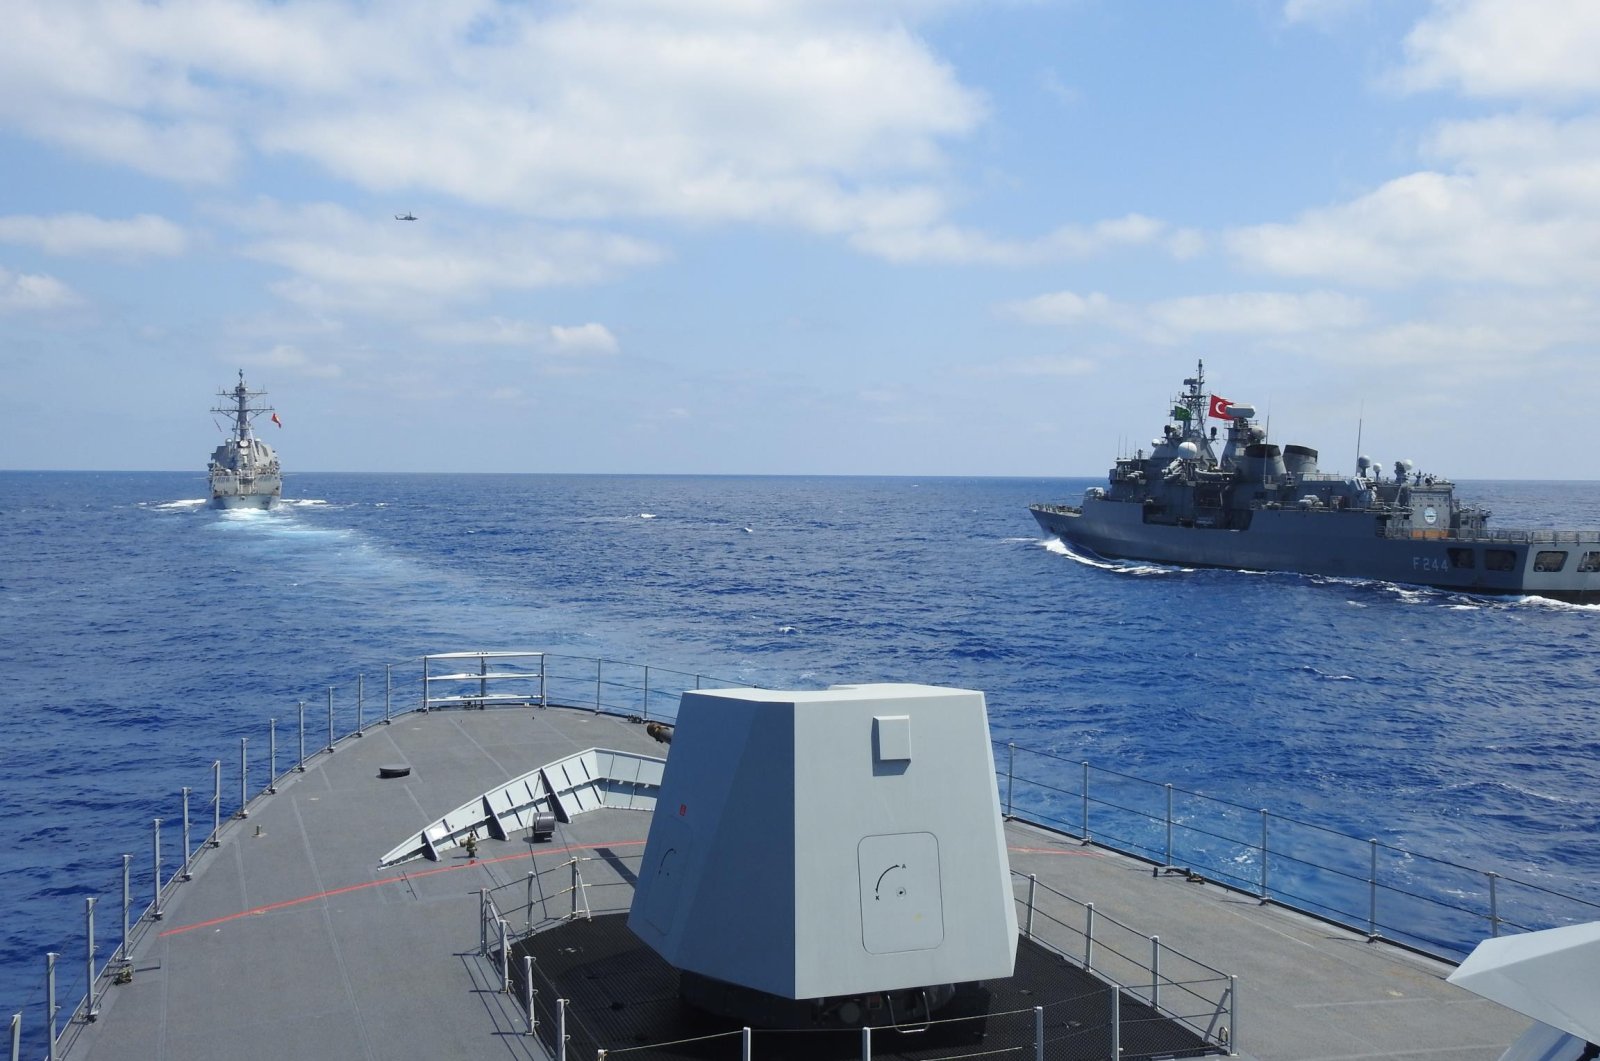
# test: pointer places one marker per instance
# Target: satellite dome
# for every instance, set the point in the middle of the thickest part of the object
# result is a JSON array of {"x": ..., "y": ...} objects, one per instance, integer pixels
[{"x": 1188, "y": 450}]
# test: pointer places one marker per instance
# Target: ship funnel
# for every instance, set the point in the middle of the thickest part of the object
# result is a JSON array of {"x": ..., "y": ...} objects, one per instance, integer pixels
[
  {"x": 1262, "y": 463},
  {"x": 1300, "y": 461}
]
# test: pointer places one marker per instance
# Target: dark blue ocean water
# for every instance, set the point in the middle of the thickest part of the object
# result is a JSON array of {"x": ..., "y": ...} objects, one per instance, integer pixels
[{"x": 141, "y": 635}]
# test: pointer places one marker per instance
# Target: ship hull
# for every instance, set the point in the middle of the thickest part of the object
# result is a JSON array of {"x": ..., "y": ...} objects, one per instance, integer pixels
[
  {"x": 263, "y": 493},
  {"x": 1341, "y": 544}
]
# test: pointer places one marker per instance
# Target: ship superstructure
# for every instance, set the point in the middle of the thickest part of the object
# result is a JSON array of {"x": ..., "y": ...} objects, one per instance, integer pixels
[
  {"x": 244, "y": 470},
  {"x": 1256, "y": 506}
]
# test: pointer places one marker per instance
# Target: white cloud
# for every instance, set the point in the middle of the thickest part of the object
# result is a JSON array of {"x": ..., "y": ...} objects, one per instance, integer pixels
[
  {"x": 30, "y": 293},
  {"x": 951, "y": 244},
  {"x": 292, "y": 359},
  {"x": 583, "y": 339},
  {"x": 1506, "y": 48},
  {"x": 342, "y": 260},
  {"x": 1259, "y": 313},
  {"x": 73, "y": 234}
]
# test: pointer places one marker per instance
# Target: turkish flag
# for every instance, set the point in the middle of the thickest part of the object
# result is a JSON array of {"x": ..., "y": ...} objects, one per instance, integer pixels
[
  {"x": 1220, "y": 408},
  {"x": 276, "y": 420}
]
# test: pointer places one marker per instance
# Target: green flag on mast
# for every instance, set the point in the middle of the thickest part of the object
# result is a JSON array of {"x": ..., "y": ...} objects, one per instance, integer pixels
[{"x": 1180, "y": 413}]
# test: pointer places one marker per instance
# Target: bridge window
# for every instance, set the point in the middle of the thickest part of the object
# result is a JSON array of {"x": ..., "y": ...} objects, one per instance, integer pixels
[
  {"x": 1499, "y": 560},
  {"x": 1460, "y": 557},
  {"x": 1550, "y": 560},
  {"x": 1590, "y": 562}
]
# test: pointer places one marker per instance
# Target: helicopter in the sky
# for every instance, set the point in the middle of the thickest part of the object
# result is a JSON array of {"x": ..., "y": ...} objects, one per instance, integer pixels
[{"x": 407, "y": 216}]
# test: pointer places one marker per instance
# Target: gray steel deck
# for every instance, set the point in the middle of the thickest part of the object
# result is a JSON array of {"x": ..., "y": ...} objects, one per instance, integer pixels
[{"x": 291, "y": 942}]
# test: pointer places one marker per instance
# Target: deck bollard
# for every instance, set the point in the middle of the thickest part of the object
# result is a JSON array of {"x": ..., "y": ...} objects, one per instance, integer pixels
[
  {"x": 360, "y": 705},
  {"x": 188, "y": 851},
  {"x": 50, "y": 997},
  {"x": 244, "y": 777},
  {"x": 155, "y": 845},
  {"x": 302, "y": 767},
  {"x": 527, "y": 993},
  {"x": 330, "y": 718},
  {"x": 89, "y": 1011},
  {"x": 216, "y": 803},
  {"x": 1038, "y": 1033},
  {"x": 1263, "y": 855},
  {"x": 272, "y": 756}
]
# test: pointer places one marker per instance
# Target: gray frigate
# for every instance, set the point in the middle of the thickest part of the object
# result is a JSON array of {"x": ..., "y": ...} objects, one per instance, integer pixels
[
  {"x": 244, "y": 470},
  {"x": 1256, "y": 506}
]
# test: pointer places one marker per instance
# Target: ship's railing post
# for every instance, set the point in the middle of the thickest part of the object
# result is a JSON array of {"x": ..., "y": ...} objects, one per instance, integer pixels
[
  {"x": 561, "y": 1029},
  {"x": 744, "y": 1043},
  {"x": 1372, "y": 893},
  {"x": 1494, "y": 906},
  {"x": 388, "y": 690},
  {"x": 532, "y": 877},
  {"x": 1233, "y": 1014},
  {"x": 127, "y": 903},
  {"x": 1011, "y": 772},
  {"x": 16, "y": 1037},
  {"x": 1263, "y": 854},
  {"x": 1116, "y": 1021},
  {"x": 505, "y": 955},
  {"x": 272, "y": 756},
  {"x": 50, "y": 998},
  {"x": 216, "y": 803},
  {"x": 528, "y": 994},
  {"x": 244, "y": 777},
  {"x": 483, "y": 920},
  {"x": 599, "y": 666},
  {"x": 425, "y": 670},
  {"x": 647, "y": 693},
  {"x": 1086, "y": 802},
  {"x": 1033, "y": 884},
  {"x": 360, "y": 696},
  {"x": 89, "y": 1010},
  {"x": 330, "y": 718},
  {"x": 542, "y": 701},
  {"x": 301, "y": 767},
  {"x": 188, "y": 852},
  {"x": 866, "y": 1042},
  {"x": 1155, "y": 972},
  {"x": 155, "y": 849},
  {"x": 1038, "y": 1033},
  {"x": 1088, "y": 935},
  {"x": 1169, "y": 824}
]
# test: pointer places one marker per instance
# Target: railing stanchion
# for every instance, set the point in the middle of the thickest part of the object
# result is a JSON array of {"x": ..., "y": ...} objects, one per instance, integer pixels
[
  {"x": 561, "y": 1029},
  {"x": 744, "y": 1044},
  {"x": 127, "y": 903},
  {"x": 89, "y": 1011},
  {"x": 361, "y": 693},
  {"x": 244, "y": 777},
  {"x": 50, "y": 998},
  {"x": 1233, "y": 1014},
  {"x": 599, "y": 666},
  {"x": 272, "y": 756},
  {"x": 866, "y": 1042},
  {"x": 527, "y": 993},
  {"x": 505, "y": 956},
  {"x": 1494, "y": 906},
  {"x": 1033, "y": 884},
  {"x": 1116, "y": 1021},
  {"x": 483, "y": 920},
  {"x": 531, "y": 878},
  {"x": 388, "y": 690},
  {"x": 1038, "y": 1033},
  {"x": 301, "y": 768},
  {"x": 1372, "y": 893},
  {"x": 1169, "y": 824},
  {"x": 155, "y": 850},
  {"x": 1088, "y": 936},
  {"x": 16, "y": 1037},
  {"x": 216, "y": 803},
  {"x": 1263, "y": 855},
  {"x": 1011, "y": 772},
  {"x": 1155, "y": 972},
  {"x": 1086, "y": 802},
  {"x": 647, "y": 702},
  {"x": 188, "y": 852},
  {"x": 330, "y": 718}
]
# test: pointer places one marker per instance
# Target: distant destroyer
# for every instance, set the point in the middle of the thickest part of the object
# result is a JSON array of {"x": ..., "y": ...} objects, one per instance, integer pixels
[
  {"x": 1256, "y": 507},
  {"x": 244, "y": 470}
]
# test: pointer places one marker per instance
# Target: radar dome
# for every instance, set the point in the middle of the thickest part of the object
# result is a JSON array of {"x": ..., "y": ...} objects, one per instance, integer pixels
[
  {"x": 1363, "y": 462},
  {"x": 1188, "y": 450}
]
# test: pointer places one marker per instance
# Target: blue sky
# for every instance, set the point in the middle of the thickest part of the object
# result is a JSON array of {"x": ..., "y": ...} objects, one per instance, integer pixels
[{"x": 915, "y": 237}]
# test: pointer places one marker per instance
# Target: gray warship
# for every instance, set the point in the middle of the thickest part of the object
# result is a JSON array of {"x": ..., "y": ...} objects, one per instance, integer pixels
[
  {"x": 244, "y": 470},
  {"x": 1257, "y": 507}
]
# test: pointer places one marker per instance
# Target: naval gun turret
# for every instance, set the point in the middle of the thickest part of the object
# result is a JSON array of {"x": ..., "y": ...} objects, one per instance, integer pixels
[{"x": 829, "y": 858}]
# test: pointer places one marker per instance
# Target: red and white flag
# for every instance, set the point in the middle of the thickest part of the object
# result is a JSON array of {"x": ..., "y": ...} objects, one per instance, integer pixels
[
  {"x": 1220, "y": 408},
  {"x": 276, "y": 420}
]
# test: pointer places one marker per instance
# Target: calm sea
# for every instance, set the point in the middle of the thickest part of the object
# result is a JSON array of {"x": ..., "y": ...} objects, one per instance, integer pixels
[{"x": 142, "y": 634}]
